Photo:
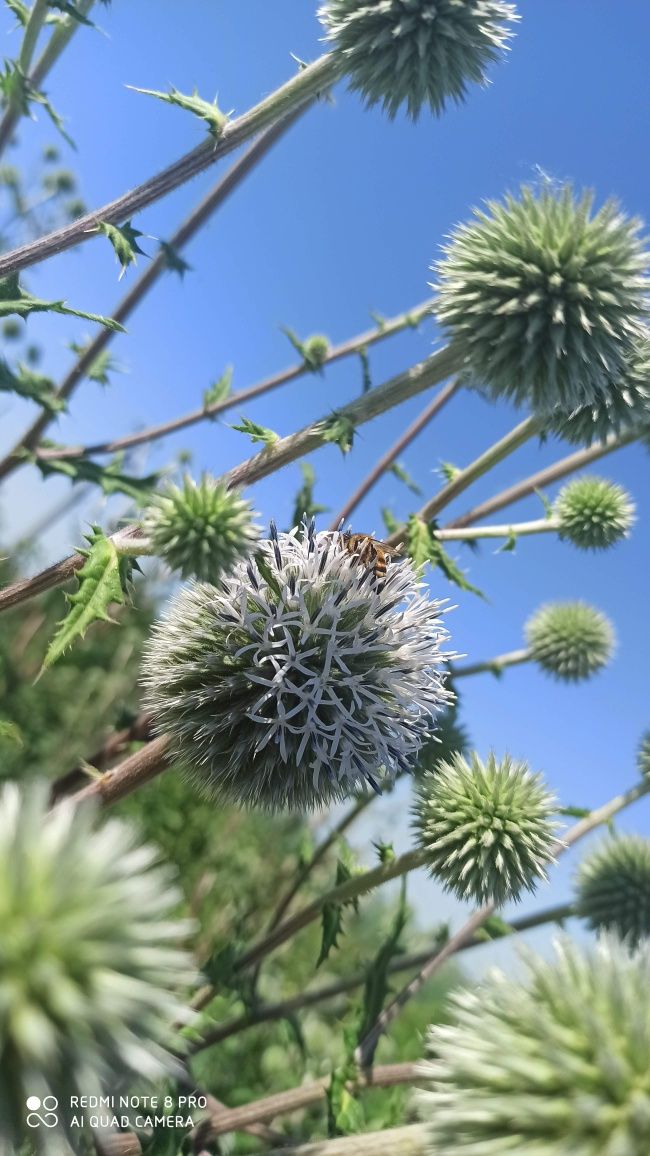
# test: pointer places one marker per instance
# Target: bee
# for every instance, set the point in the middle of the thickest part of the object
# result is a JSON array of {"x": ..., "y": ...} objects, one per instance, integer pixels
[{"x": 370, "y": 552}]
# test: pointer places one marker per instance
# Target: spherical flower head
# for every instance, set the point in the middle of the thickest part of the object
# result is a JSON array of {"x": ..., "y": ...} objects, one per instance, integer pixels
[
  {"x": 201, "y": 529},
  {"x": 545, "y": 298},
  {"x": 316, "y": 351},
  {"x": 593, "y": 513},
  {"x": 90, "y": 962},
  {"x": 414, "y": 53},
  {"x": 554, "y": 1065},
  {"x": 570, "y": 640},
  {"x": 622, "y": 409},
  {"x": 487, "y": 828},
  {"x": 643, "y": 754},
  {"x": 613, "y": 888},
  {"x": 301, "y": 675}
]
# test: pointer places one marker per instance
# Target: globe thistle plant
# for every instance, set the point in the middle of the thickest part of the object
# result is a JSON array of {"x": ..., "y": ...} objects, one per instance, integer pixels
[
  {"x": 451, "y": 737},
  {"x": 200, "y": 528},
  {"x": 487, "y": 828},
  {"x": 593, "y": 513},
  {"x": 554, "y": 1065},
  {"x": 570, "y": 640},
  {"x": 623, "y": 408},
  {"x": 302, "y": 674},
  {"x": 414, "y": 53},
  {"x": 90, "y": 969},
  {"x": 613, "y": 888},
  {"x": 546, "y": 299}
]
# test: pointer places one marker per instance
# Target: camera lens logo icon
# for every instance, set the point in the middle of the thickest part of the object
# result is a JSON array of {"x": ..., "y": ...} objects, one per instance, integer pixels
[{"x": 42, "y": 1111}]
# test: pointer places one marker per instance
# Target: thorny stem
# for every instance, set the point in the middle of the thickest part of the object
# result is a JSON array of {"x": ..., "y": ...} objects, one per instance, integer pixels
[
  {"x": 265, "y": 1013},
  {"x": 301, "y": 89},
  {"x": 368, "y": 1045},
  {"x": 398, "y": 447},
  {"x": 491, "y": 457},
  {"x": 538, "y": 481},
  {"x": 152, "y": 433},
  {"x": 215, "y": 198},
  {"x": 492, "y": 665}
]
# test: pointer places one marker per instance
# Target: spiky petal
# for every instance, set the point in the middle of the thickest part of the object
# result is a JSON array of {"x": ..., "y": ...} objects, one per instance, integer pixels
[
  {"x": 570, "y": 640},
  {"x": 487, "y": 827},
  {"x": 554, "y": 1065},
  {"x": 301, "y": 676},
  {"x": 546, "y": 299},
  {"x": 414, "y": 53},
  {"x": 593, "y": 513}
]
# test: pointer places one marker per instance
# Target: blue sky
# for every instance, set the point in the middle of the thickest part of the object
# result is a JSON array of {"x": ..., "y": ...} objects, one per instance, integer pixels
[{"x": 343, "y": 218}]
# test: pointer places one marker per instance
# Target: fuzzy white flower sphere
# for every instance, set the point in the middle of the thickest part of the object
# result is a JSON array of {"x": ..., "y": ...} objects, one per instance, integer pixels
[{"x": 301, "y": 676}]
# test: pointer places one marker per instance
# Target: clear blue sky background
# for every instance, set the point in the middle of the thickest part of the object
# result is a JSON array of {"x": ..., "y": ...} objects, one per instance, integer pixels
[{"x": 345, "y": 217}]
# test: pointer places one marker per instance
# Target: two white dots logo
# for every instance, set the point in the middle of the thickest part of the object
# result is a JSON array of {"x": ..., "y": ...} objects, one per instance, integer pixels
[{"x": 42, "y": 1111}]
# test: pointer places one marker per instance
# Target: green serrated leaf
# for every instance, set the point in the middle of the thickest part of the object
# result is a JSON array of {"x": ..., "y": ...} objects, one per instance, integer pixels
[
  {"x": 332, "y": 914},
  {"x": 304, "y": 504},
  {"x": 399, "y": 472},
  {"x": 10, "y": 732},
  {"x": 377, "y": 985},
  {"x": 389, "y": 520},
  {"x": 20, "y": 10},
  {"x": 100, "y": 367},
  {"x": 423, "y": 547},
  {"x": 109, "y": 478},
  {"x": 19, "y": 92},
  {"x": 449, "y": 471},
  {"x": 124, "y": 239},
  {"x": 173, "y": 259},
  {"x": 257, "y": 433},
  {"x": 546, "y": 502},
  {"x": 294, "y": 340},
  {"x": 15, "y": 301},
  {"x": 344, "y": 1113},
  {"x": 69, "y": 9},
  {"x": 100, "y": 586},
  {"x": 215, "y": 119},
  {"x": 339, "y": 429},
  {"x": 34, "y": 386},
  {"x": 219, "y": 390},
  {"x": 510, "y": 545},
  {"x": 385, "y": 851}
]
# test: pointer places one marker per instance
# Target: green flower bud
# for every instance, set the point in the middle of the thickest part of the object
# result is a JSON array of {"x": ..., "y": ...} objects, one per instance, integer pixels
[
  {"x": 623, "y": 408},
  {"x": 613, "y": 888},
  {"x": 416, "y": 52},
  {"x": 593, "y": 513},
  {"x": 554, "y": 1065},
  {"x": 487, "y": 828},
  {"x": 570, "y": 640},
  {"x": 316, "y": 351},
  {"x": 200, "y": 529},
  {"x": 545, "y": 298}
]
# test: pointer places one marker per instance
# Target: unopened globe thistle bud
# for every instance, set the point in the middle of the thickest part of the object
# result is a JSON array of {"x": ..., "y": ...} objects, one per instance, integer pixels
[
  {"x": 90, "y": 963},
  {"x": 570, "y": 640},
  {"x": 487, "y": 828},
  {"x": 553, "y": 1065},
  {"x": 593, "y": 513},
  {"x": 200, "y": 528},
  {"x": 643, "y": 754},
  {"x": 304, "y": 673},
  {"x": 316, "y": 350},
  {"x": 613, "y": 888},
  {"x": 623, "y": 408},
  {"x": 415, "y": 53},
  {"x": 545, "y": 299}
]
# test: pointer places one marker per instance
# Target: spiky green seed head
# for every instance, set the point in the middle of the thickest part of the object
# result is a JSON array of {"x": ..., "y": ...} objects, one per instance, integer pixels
[
  {"x": 613, "y": 888},
  {"x": 414, "y": 53},
  {"x": 593, "y": 513},
  {"x": 555, "y": 1064},
  {"x": 570, "y": 640},
  {"x": 91, "y": 962},
  {"x": 545, "y": 298},
  {"x": 643, "y": 754},
  {"x": 487, "y": 827},
  {"x": 623, "y": 409},
  {"x": 316, "y": 350},
  {"x": 201, "y": 529}
]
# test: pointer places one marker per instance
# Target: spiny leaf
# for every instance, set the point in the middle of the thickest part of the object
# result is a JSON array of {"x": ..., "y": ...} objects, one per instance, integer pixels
[
  {"x": 100, "y": 586},
  {"x": 366, "y": 380},
  {"x": 332, "y": 914},
  {"x": 14, "y": 300},
  {"x": 379, "y": 321},
  {"x": 510, "y": 544},
  {"x": 385, "y": 851},
  {"x": 69, "y": 9},
  {"x": 377, "y": 984},
  {"x": 109, "y": 478},
  {"x": 294, "y": 339},
  {"x": 100, "y": 367},
  {"x": 173, "y": 259},
  {"x": 34, "y": 386},
  {"x": 20, "y": 10},
  {"x": 215, "y": 119},
  {"x": 389, "y": 520},
  {"x": 19, "y": 92},
  {"x": 344, "y": 1113},
  {"x": 124, "y": 239},
  {"x": 219, "y": 390},
  {"x": 257, "y": 433},
  {"x": 546, "y": 502},
  {"x": 400, "y": 472},
  {"x": 10, "y": 732},
  {"x": 304, "y": 504},
  {"x": 449, "y": 471},
  {"x": 339, "y": 428},
  {"x": 423, "y": 547}
]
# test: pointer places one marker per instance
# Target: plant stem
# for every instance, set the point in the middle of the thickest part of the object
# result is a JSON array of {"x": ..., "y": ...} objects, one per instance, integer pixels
[
  {"x": 265, "y": 1013},
  {"x": 545, "y": 477},
  {"x": 138, "y": 731},
  {"x": 368, "y": 1045},
  {"x": 33, "y": 28},
  {"x": 301, "y": 89},
  {"x": 152, "y": 433},
  {"x": 398, "y": 447},
  {"x": 131, "y": 774},
  {"x": 492, "y": 665},
  {"x": 411, "y": 1140},
  {"x": 215, "y": 198},
  {"x": 518, "y": 529}
]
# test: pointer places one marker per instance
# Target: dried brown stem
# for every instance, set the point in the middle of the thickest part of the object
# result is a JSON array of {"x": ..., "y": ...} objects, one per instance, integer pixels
[{"x": 129, "y": 776}]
